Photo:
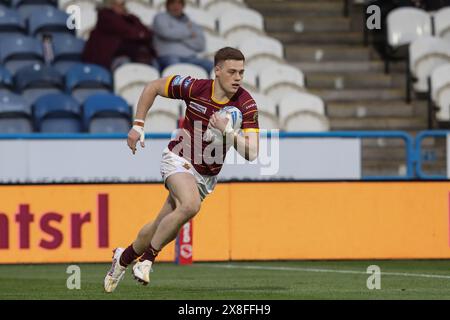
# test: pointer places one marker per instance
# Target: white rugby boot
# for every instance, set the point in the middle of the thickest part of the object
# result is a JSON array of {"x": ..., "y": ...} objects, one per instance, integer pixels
[
  {"x": 116, "y": 273},
  {"x": 141, "y": 271}
]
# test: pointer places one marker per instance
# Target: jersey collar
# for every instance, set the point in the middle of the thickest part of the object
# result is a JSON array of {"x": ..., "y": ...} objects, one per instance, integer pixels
[{"x": 213, "y": 99}]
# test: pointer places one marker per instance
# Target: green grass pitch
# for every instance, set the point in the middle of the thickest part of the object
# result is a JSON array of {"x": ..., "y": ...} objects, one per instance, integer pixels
[{"x": 421, "y": 279}]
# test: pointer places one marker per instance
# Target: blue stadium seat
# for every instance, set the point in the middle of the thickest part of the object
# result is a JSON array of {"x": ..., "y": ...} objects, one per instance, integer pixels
[
  {"x": 106, "y": 113},
  {"x": 38, "y": 75},
  {"x": 67, "y": 47},
  {"x": 11, "y": 22},
  {"x": 67, "y": 51},
  {"x": 83, "y": 80},
  {"x": 25, "y": 10},
  {"x": 18, "y": 3},
  {"x": 37, "y": 80},
  {"x": 15, "y": 114},
  {"x": 6, "y": 81},
  {"x": 63, "y": 66},
  {"x": 17, "y": 52},
  {"x": 57, "y": 113},
  {"x": 48, "y": 20}
]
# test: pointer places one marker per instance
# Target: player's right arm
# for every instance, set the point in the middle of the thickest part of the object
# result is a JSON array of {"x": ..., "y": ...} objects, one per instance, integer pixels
[
  {"x": 148, "y": 96},
  {"x": 152, "y": 89}
]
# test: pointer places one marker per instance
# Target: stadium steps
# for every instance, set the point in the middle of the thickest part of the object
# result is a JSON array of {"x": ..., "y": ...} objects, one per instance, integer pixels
[
  {"x": 322, "y": 37},
  {"x": 346, "y": 66},
  {"x": 384, "y": 153},
  {"x": 326, "y": 53},
  {"x": 394, "y": 153},
  {"x": 351, "y": 94},
  {"x": 339, "y": 81},
  {"x": 429, "y": 144},
  {"x": 275, "y": 23},
  {"x": 383, "y": 168},
  {"x": 370, "y": 108},
  {"x": 436, "y": 168},
  {"x": 378, "y": 123},
  {"x": 328, "y": 47},
  {"x": 382, "y": 142},
  {"x": 299, "y": 9},
  {"x": 397, "y": 168}
]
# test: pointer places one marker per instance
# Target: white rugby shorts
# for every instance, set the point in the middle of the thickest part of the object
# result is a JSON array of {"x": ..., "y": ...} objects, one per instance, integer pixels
[{"x": 171, "y": 163}]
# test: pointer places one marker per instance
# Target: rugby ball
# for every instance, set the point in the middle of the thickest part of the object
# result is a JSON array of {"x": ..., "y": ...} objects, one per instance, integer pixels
[{"x": 234, "y": 116}]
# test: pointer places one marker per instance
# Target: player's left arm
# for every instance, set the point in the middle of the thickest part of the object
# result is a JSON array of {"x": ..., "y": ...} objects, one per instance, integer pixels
[{"x": 247, "y": 144}]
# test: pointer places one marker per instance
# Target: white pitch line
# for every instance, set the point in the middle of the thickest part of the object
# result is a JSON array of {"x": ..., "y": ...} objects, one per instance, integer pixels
[{"x": 401, "y": 274}]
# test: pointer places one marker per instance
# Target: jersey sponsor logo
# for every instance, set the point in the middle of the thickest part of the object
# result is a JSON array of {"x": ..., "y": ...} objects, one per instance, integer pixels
[
  {"x": 255, "y": 116},
  {"x": 187, "y": 82},
  {"x": 250, "y": 106},
  {"x": 177, "y": 80},
  {"x": 198, "y": 107}
]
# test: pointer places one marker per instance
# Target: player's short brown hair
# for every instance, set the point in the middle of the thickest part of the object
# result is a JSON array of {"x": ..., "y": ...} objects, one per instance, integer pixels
[
  {"x": 169, "y": 2},
  {"x": 109, "y": 3},
  {"x": 228, "y": 53}
]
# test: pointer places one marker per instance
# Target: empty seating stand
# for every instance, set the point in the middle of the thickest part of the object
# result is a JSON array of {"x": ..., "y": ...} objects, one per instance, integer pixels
[
  {"x": 15, "y": 114},
  {"x": 57, "y": 113},
  {"x": 83, "y": 80},
  {"x": 67, "y": 51},
  {"x": 20, "y": 51},
  {"x": 106, "y": 113},
  {"x": 36, "y": 80}
]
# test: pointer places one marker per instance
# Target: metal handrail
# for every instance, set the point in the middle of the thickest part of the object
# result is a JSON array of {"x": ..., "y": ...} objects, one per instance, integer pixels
[{"x": 418, "y": 151}]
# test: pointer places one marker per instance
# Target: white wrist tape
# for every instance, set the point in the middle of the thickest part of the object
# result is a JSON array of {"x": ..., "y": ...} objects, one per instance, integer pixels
[{"x": 141, "y": 131}]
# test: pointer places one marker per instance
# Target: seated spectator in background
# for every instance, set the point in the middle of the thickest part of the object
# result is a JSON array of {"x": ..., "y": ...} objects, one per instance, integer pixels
[
  {"x": 119, "y": 37},
  {"x": 177, "y": 38}
]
